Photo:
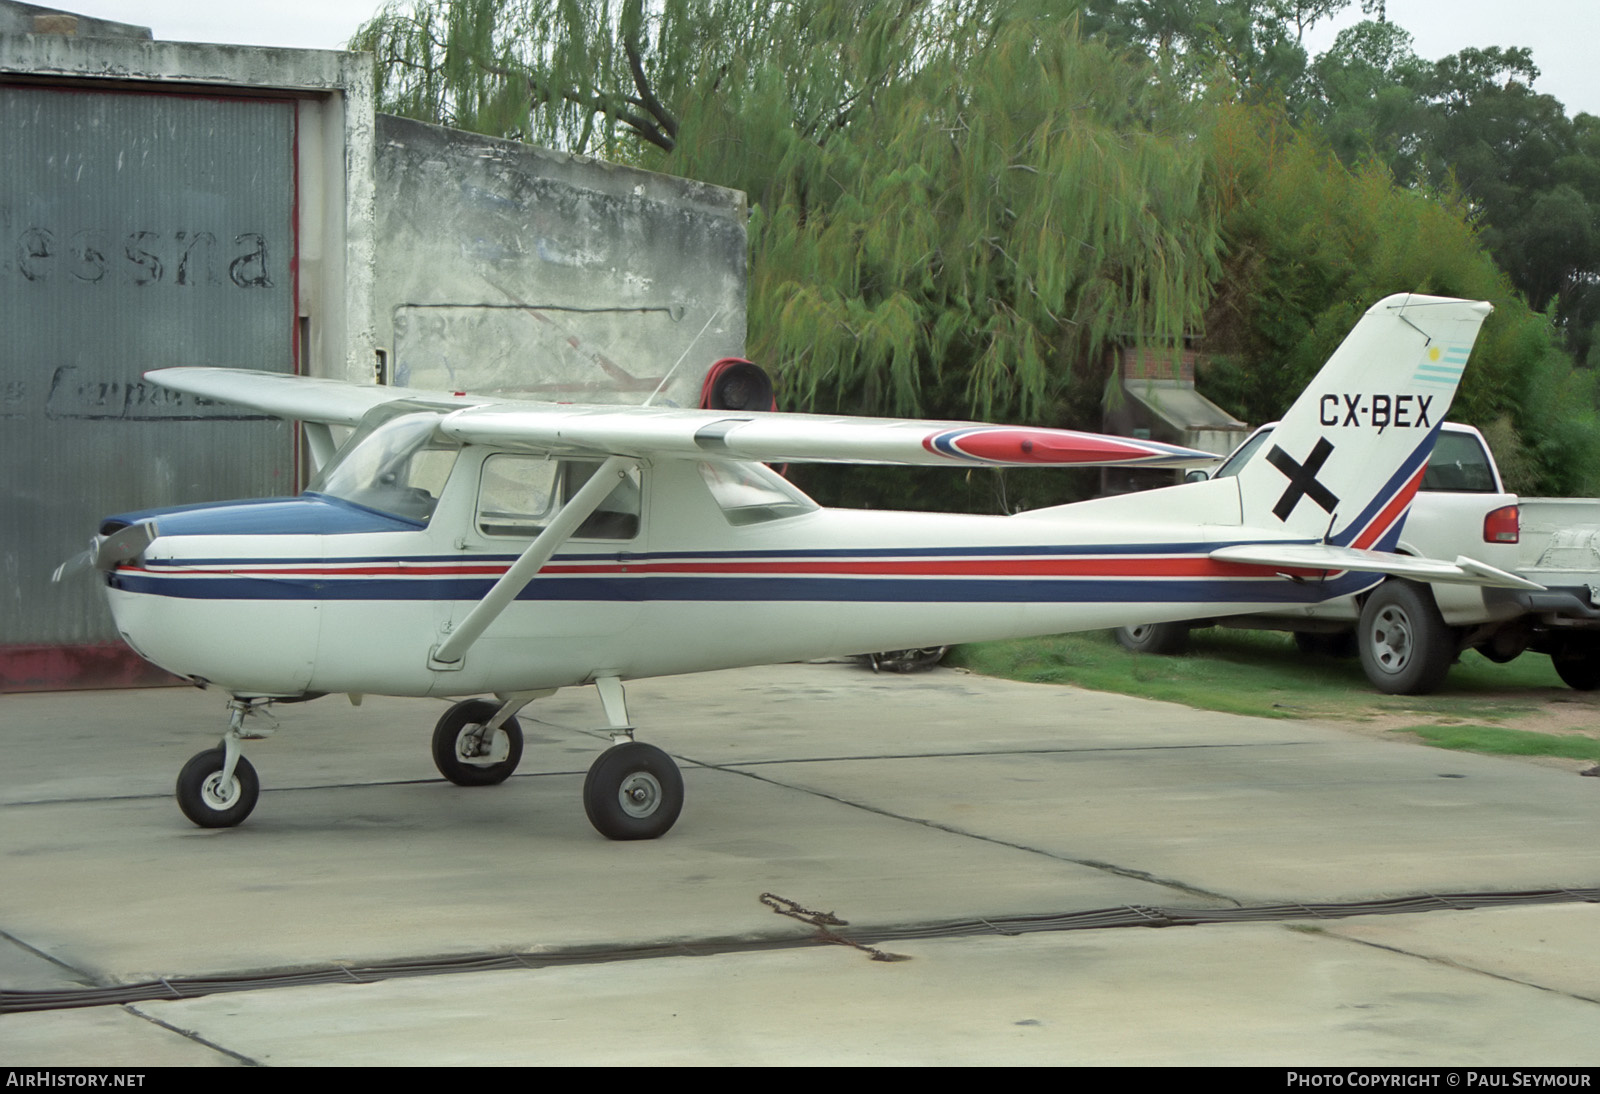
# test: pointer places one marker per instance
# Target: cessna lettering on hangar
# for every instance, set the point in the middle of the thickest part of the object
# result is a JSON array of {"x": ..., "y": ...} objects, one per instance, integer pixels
[{"x": 491, "y": 551}]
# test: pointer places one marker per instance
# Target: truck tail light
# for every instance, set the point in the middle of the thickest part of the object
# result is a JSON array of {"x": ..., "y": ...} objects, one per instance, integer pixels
[{"x": 1502, "y": 525}]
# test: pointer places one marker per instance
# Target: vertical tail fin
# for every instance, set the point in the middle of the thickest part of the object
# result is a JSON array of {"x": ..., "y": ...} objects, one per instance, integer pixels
[{"x": 1347, "y": 459}]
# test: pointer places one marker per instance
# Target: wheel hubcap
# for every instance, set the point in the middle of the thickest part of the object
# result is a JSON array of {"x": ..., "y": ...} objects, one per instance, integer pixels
[
  {"x": 215, "y": 795},
  {"x": 640, "y": 794},
  {"x": 470, "y": 743},
  {"x": 480, "y": 749},
  {"x": 1391, "y": 640}
]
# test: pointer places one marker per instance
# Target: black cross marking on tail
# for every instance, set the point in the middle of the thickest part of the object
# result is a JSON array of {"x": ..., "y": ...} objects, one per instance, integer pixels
[{"x": 1302, "y": 479}]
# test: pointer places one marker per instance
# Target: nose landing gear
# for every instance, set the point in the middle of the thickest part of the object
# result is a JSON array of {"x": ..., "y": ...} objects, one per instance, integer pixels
[{"x": 218, "y": 788}]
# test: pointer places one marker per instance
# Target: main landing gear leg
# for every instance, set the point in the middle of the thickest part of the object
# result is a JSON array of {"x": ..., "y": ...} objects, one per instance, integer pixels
[
  {"x": 634, "y": 790},
  {"x": 479, "y": 743},
  {"x": 218, "y": 788}
]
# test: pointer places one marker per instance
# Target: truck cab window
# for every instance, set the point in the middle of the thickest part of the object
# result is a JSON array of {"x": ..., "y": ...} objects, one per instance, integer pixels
[{"x": 1459, "y": 465}]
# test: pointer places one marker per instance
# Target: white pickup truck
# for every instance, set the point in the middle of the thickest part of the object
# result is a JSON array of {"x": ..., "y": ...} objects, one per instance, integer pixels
[{"x": 1408, "y": 634}]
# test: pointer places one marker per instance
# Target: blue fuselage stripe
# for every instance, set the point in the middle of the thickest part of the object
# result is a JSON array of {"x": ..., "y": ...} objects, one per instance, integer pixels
[{"x": 686, "y": 587}]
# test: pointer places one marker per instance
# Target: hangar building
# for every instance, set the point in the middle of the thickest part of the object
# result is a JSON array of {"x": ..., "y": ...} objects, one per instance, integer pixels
[{"x": 170, "y": 203}]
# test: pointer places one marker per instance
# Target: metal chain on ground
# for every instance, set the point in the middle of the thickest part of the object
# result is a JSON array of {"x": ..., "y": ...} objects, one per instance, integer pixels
[{"x": 822, "y": 921}]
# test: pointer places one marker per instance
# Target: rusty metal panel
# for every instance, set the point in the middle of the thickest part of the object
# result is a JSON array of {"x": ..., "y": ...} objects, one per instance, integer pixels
[{"x": 137, "y": 231}]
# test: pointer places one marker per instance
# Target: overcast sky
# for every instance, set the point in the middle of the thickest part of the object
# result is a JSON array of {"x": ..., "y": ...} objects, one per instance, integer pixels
[{"x": 1563, "y": 34}]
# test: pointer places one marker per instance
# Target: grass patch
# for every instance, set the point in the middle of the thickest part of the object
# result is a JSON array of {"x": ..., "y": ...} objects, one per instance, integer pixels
[
  {"x": 1260, "y": 673},
  {"x": 1496, "y": 741}
]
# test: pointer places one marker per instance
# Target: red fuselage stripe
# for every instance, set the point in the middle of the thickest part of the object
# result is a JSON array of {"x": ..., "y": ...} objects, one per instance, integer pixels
[
  {"x": 1091, "y": 567},
  {"x": 1391, "y": 512}
]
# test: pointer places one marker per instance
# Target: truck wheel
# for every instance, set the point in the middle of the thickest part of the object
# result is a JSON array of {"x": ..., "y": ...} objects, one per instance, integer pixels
[
  {"x": 1578, "y": 667},
  {"x": 1406, "y": 648},
  {"x": 1160, "y": 638}
]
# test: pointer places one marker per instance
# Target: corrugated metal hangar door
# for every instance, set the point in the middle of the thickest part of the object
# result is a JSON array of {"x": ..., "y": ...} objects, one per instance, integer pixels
[{"x": 138, "y": 230}]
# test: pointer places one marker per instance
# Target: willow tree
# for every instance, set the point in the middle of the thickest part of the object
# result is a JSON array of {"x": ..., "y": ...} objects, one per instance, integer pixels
[
  {"x": 1312, "y": 243},
  {"x": 957, "y": 204}
]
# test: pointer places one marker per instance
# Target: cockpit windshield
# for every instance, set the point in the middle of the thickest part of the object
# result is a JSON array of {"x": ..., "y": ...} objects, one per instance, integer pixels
[{"x": 395, "y": 463}]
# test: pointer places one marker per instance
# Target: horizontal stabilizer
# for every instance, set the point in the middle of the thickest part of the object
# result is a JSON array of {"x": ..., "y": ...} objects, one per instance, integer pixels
[{"x": 1321, "y": 556}]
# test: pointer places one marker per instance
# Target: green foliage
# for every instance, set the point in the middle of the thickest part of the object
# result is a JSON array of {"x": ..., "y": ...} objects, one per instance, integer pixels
[
  {"x": 1472, "y": 124},
  {"x": 958, "y": 206},
  {"x": 985, "y": 233},
  {"x": 1312, "y": 244},
  {"x": 1263, "y": 674}
]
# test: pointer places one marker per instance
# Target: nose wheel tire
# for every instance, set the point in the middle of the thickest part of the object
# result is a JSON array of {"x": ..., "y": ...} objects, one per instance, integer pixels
[
  {"x": 466, "y": 755},
  {"x": 633, "y": 791},
  {"x": 210, "y": 803}
]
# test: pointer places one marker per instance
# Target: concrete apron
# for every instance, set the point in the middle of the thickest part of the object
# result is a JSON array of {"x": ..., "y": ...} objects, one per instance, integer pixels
[{"x": 888, "y": 800}]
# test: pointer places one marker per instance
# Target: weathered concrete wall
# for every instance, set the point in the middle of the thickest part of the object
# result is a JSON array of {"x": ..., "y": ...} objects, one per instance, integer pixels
[
  {"x": 503, "y": 267},
  {"x": 16, "y": 18}
]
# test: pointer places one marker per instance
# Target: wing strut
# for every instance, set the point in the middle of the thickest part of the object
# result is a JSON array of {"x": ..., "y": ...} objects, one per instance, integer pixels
[
  {"x": 448, "y": 654},
  {"x": 320, "y": 442}
]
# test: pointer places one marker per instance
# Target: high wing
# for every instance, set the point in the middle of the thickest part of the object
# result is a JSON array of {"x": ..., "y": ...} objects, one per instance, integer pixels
[
  {"x": 301, "y": 398},
  {"x": 1327, "y": 558},
  {"x": 644, "y": 432},
  {"x": 662, "y": 432}
]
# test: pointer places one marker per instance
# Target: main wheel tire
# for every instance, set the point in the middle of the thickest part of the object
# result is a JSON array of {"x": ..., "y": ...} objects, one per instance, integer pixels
[
  {"x": 458, "y": 748},
  {"x": 633, "y": 791},
  {"x": 206, "y": 801},
  {"x": 1162, "y": 638},
  {"x": 1406, "y": 648},
  {"x": 1579, "y": 668}
]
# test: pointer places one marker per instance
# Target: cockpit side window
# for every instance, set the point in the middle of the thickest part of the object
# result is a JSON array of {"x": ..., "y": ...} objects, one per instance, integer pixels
[
  {"x": 395, "y": 463},
  {"x": 518, "y": 495}
]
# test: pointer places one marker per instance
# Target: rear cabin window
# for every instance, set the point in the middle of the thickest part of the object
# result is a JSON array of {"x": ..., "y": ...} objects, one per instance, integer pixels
[
  {"x": 751, "y": 493},
  {"x": 1241, "y": 456},
  {"x": 519, "y": 495}
]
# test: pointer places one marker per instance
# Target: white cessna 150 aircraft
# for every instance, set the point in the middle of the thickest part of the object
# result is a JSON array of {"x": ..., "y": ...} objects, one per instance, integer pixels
[{"x": 460, "y": 546}]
